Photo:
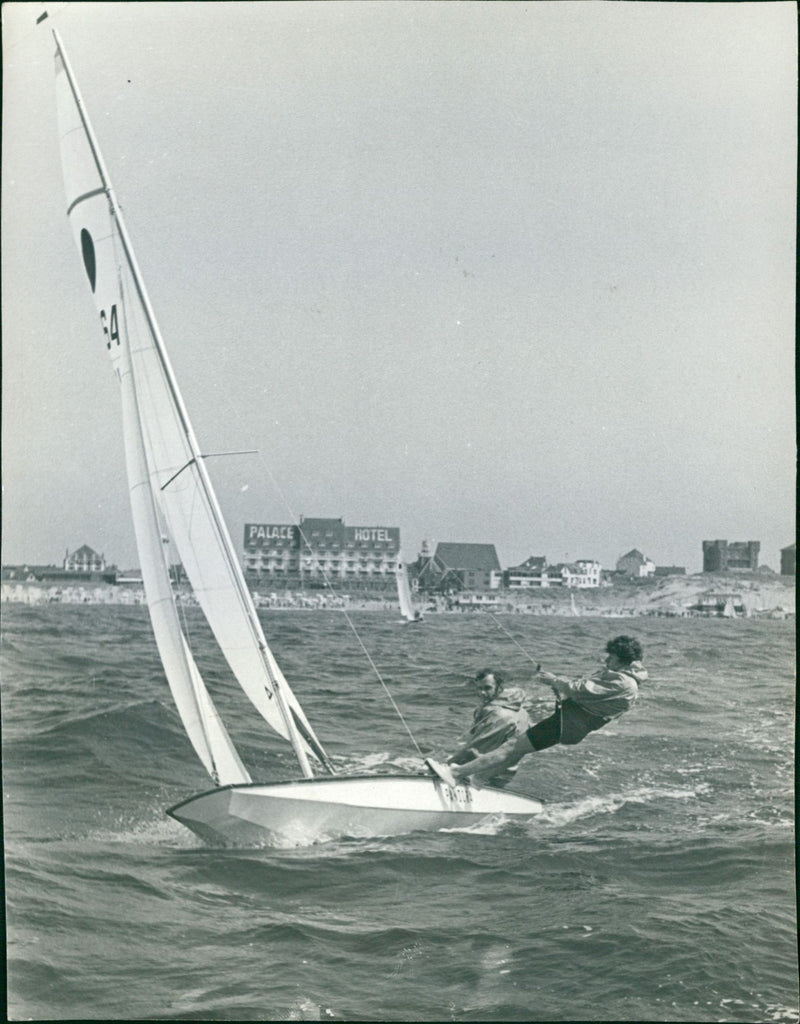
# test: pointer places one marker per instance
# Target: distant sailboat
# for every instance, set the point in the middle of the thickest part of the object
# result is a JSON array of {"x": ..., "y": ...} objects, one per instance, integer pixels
[
  {"x": 572, "y": 606},
  {"x": 172, "y": 497},
  {"x": 404, "y": 593}
]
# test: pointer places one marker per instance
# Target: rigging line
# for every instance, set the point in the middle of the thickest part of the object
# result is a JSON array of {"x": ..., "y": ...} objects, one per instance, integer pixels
[
  {"x": 368, "y": 656},
  {"x": 533, "y": 661},
  {"x": 383, "y": 684},
  {"x": 513, "y": 639},
  {"x": 207, "y": 455}
]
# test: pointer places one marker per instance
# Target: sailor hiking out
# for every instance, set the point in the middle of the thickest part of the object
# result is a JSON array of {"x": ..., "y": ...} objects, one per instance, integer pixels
[{"x": 582, "y": 706}]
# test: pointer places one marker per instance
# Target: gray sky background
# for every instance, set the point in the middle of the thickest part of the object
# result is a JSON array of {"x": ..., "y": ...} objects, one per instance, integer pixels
[{"x": 512, "y": 273}]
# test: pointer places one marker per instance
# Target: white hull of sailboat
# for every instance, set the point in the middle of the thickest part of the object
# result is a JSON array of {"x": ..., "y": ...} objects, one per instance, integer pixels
[{"x": 320, "y": 810}]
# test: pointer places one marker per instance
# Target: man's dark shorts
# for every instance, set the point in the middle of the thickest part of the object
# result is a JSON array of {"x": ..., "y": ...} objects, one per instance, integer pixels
[{"x": 569, "y": 724}]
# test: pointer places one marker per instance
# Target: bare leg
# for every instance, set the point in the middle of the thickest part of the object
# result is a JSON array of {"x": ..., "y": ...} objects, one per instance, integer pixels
[{"x": 504, "y": 756}]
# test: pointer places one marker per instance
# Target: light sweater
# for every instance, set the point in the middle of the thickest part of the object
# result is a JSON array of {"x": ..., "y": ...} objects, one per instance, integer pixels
[{"x": 608, "y": 693}]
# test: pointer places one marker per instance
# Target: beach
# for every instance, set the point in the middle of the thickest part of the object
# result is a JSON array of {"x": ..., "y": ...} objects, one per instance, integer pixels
[{"x": 756, "y": 596}]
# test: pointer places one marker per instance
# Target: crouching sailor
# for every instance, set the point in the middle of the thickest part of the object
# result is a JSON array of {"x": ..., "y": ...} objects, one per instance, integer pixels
[{"x": 499, "y": 717}]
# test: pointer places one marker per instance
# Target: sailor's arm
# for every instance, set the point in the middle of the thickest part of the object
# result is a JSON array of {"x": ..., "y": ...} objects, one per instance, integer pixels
[
  {"x": 504, "y": 756},
  {"x": 462, "y": 753},
  {"x": 465, "y": 749},
  {"x": 491, "y": 730}
]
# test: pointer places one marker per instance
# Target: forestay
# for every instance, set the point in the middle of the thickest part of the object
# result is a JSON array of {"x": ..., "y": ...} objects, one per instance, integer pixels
[{"x": 168, "y": 481}]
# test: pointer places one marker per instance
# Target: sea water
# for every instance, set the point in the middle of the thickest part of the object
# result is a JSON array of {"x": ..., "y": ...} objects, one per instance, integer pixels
[{"x": 658, "y": 884}]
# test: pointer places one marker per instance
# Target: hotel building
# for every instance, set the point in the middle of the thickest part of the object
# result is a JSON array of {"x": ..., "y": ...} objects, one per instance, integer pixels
[{"x": 316, "y": 552}]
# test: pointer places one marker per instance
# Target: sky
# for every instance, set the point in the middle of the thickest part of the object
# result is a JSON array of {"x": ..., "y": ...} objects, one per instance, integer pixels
[{"x": 507, "y": 273}]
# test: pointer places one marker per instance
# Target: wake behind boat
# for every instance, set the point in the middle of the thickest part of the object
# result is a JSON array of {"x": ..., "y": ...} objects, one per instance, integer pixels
[{"x": 172, "y": 500}]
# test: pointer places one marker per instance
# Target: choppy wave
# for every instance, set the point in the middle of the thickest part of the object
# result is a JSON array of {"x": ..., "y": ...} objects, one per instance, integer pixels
[{"x": 657, "y": 884}]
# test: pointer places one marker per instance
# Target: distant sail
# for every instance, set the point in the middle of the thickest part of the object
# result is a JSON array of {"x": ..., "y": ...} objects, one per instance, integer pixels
[{"x": 404, "y": 591}]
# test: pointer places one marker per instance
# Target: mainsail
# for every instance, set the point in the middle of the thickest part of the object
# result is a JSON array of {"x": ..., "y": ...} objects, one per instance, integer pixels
[{"x": 169, "y": 484}]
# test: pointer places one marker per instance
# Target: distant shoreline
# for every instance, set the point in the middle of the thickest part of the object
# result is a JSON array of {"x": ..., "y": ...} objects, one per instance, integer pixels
[{"x": 705, "y": 595}]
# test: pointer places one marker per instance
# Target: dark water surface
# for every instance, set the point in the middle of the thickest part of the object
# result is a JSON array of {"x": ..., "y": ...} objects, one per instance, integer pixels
[{"x": 657, "y": 885}]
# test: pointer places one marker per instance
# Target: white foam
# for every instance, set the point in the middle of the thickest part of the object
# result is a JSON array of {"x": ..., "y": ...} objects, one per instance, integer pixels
[
  {"x": 563, "y": 814},
  {"x": 307, "y": 1009},
  {"x": 486, "y": 827},
  {"x": 786, "y": 1014},
  {"x": 159, "y": 831},
  {"x": 369, "y": 762}
]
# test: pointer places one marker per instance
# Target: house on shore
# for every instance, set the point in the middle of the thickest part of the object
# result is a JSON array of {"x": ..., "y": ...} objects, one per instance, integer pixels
[
  {"x": 83, "y": 565},
  {"x": 535, "y": 573},
  {"x": 456, "y": 567},
  {"x": 635, "y": 564},
  {"x": 84, "y": 560}
]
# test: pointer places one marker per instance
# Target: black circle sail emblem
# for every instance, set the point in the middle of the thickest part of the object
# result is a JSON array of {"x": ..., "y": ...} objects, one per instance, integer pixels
[{"x": 89, "y": 261}]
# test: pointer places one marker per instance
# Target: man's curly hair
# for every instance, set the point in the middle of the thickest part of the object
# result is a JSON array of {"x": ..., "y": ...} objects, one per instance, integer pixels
[
  {"x": 498, "y": 678},
  {"x": 626, "y": 648}
]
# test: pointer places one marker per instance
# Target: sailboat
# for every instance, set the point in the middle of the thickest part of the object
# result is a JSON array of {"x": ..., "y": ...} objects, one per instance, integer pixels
[
  {"x": 172, "y": 500},
  {"x": 404, "y": 593},
  {"x": 729, "y": 611}
]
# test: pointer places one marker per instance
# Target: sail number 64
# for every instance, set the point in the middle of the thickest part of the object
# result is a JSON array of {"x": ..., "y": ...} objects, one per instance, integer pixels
[{"x": 110, "y": 328}]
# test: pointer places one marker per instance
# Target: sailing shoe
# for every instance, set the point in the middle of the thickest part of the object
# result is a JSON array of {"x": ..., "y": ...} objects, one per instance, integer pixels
[{"x": 442, "y": 771}]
